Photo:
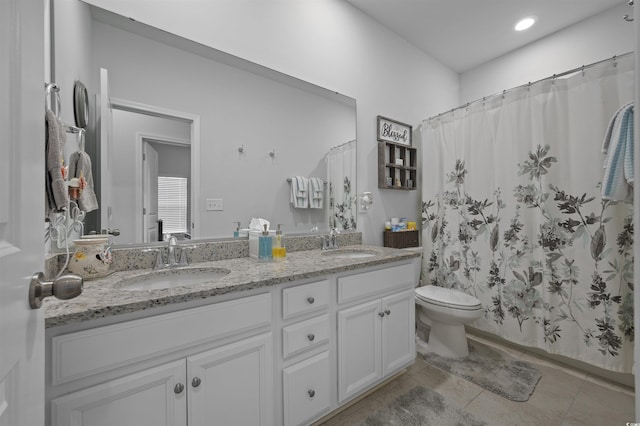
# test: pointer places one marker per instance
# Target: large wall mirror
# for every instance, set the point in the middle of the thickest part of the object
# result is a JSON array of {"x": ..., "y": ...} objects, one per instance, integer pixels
[{"x": 231, "y": 132}]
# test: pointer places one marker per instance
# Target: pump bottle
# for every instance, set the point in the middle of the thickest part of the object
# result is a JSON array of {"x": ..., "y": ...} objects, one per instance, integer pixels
[
  {"x": 265, "y": 244},
  {"x": 279, "y": 250}
]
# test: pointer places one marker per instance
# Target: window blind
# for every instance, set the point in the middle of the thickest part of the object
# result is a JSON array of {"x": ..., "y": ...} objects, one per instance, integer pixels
[{"x": 172, "y": 204}]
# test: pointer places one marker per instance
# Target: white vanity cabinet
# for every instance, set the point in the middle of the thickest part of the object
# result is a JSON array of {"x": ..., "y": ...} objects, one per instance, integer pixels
[
  {"x": 228, "y": 384},
  {"x": 285, "y": 354},
  {"x": 376, "y": 334}
]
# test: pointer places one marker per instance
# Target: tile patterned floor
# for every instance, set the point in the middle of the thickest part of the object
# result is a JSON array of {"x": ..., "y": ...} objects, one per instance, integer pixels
[{"x": 563, "y": 397}]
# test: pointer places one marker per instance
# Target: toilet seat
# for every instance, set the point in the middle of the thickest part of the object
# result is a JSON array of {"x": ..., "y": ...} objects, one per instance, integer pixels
[{"x": 448, "y": 298}]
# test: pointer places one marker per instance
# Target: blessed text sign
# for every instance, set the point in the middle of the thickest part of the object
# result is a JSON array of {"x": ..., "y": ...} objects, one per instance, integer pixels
[{"x": 393, "y": 131}]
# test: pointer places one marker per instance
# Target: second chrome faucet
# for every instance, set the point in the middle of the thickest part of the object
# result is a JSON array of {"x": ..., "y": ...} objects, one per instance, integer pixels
[{"x": 176, "y": 254}]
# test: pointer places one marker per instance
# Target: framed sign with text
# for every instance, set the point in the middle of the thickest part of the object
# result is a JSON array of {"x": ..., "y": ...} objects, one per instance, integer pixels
[{"x": 393, "y": 131}]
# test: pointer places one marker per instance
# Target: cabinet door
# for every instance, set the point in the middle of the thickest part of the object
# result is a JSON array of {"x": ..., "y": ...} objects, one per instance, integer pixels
[
  {"x": 232, "y": 385},
  {"x": 359, "y": 348},
  {"x": 398, "y": 331},
  {"x": 150, "y": 398}
]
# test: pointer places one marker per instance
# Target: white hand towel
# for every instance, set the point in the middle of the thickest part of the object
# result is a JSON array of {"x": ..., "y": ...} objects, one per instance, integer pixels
[
  {"x": 57, "y": 192},
  {"x": 299, "y": 192},
  {"x": 316, "y": 193}
]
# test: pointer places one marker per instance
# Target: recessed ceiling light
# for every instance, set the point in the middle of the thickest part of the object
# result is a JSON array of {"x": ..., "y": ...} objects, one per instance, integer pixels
[{"x": 525, "y": 23}]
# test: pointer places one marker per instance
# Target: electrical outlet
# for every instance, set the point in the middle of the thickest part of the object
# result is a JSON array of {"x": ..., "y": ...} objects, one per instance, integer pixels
[{"x": 214, "y": 204}]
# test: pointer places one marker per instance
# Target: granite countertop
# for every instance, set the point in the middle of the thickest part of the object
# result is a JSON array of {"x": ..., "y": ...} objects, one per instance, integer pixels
[{"x": 103, "y": 297}]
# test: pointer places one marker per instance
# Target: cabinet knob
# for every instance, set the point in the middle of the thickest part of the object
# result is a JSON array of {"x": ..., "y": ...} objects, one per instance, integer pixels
[
  {"x": 381, "y": 314},
  {"x": 178, "y": 388},
  {"x": 311, "y": 393},
  {"x": 387, "y": 311},
  {"x": 311, "y": 300},
  {"x": 311, "y": 337},
  {"x": 196, "y": 382}
]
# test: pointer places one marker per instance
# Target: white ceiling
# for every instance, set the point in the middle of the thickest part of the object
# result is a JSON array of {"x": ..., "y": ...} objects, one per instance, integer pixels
[{"x": 463, "y": 34}]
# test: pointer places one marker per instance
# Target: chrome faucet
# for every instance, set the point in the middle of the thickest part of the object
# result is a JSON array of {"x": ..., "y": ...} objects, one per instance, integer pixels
[
  {"x": 172, "y": 254},
  {"x": 330, "y": 241},
  {"x": 333, "y": 238}
]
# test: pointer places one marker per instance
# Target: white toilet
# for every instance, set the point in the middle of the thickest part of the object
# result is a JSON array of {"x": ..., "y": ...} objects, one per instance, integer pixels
[{"x": 446, "y": 311}]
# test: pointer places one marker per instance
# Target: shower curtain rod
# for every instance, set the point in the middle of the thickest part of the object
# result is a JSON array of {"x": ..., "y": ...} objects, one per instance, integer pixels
[
  {"x": 529, "y": 84},
  {"x": 341, "y": 145}
]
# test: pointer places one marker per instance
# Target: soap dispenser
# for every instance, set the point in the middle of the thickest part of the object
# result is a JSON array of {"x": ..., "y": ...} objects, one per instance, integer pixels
[
  {"x": 236, "y": 233},
  {"x": 265, "y": 245},
  {"x": 279, "y": 250}
]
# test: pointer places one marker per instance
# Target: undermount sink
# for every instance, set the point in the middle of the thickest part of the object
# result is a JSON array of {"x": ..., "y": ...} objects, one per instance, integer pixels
[
  {"x": 348, "y": 253},
  {"x": 169, "y": 278}
]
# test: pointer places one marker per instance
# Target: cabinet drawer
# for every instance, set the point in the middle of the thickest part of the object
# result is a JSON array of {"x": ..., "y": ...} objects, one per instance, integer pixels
[
  {"x": 88, "y": 352},
  {"x": 305, "y": 298},
  {"x": 307, "y": 390},
  {"x": 356, "y": 286},
  {"x": 305, "y": 334}
]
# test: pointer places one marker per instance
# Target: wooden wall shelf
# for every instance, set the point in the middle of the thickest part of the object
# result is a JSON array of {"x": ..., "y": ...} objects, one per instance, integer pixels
[{"x": 397, "y": 166}]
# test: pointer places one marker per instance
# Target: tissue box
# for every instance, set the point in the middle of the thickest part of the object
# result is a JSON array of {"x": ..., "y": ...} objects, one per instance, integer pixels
[{"x": 253, "y": 242}]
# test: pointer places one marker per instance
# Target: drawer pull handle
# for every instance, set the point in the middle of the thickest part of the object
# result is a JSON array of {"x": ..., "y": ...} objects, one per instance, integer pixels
[
  {"x": 381, "y": 314},
  {"x": 388, "y": 312},
  {"x": 311, "y": 393},
  {"x": 311, "y": 337},
  {"x": 311, "y": 300},
  {"x": 196, "y": 382},
  {"x": 178, "y": 388}
]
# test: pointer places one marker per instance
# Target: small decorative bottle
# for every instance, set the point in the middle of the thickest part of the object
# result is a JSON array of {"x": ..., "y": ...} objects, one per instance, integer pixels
[{"x": 265, "y": 244}]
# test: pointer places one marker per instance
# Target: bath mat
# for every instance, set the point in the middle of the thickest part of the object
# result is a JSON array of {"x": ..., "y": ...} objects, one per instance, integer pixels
[
  {"x": 492, "y": 369},
  {"x": 420, "y": 406}
]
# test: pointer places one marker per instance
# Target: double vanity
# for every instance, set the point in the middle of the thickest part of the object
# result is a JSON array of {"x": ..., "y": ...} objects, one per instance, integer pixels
[{"x": 231, "y": 341}]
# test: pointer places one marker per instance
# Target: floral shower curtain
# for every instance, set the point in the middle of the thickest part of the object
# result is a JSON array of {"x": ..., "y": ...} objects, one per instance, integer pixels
[
  {"x": 512, "y": 214},
  {"x": 341, "y": 172}
]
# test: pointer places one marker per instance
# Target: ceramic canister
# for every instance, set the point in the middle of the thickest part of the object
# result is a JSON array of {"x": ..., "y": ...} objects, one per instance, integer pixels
[{"x": 91, "y": 258}]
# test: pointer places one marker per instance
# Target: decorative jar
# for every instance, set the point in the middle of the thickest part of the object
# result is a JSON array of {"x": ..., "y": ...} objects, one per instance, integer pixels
[{"x": 91, "y": 258}]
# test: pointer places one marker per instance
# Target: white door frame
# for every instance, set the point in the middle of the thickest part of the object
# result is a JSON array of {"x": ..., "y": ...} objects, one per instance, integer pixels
[
  {"x": 142, "y": 137},
  {"x": 194, "y": 120}
]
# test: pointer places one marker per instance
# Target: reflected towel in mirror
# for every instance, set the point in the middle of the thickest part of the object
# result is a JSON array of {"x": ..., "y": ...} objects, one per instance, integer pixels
[
  {"x": 56, "y": 191},
  {"x": 299, "y": 192},
  {"x": 316, "y": 193},
  {"x": 80, "y": 164}
]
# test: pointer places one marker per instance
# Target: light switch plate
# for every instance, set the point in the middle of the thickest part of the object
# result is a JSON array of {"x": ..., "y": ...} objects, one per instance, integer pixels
[{"x": 214, "y": 204}]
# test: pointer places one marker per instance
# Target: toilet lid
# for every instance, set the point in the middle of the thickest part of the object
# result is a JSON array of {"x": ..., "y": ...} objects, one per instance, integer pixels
[{"x": 447, "y": 297}]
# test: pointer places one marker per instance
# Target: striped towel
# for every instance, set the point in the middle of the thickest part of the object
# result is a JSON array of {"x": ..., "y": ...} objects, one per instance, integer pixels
[{"x": 617, "y": 183}]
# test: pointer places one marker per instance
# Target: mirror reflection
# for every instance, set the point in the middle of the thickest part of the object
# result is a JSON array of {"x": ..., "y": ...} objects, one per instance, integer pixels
[{"x": 231, "y": 134}]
